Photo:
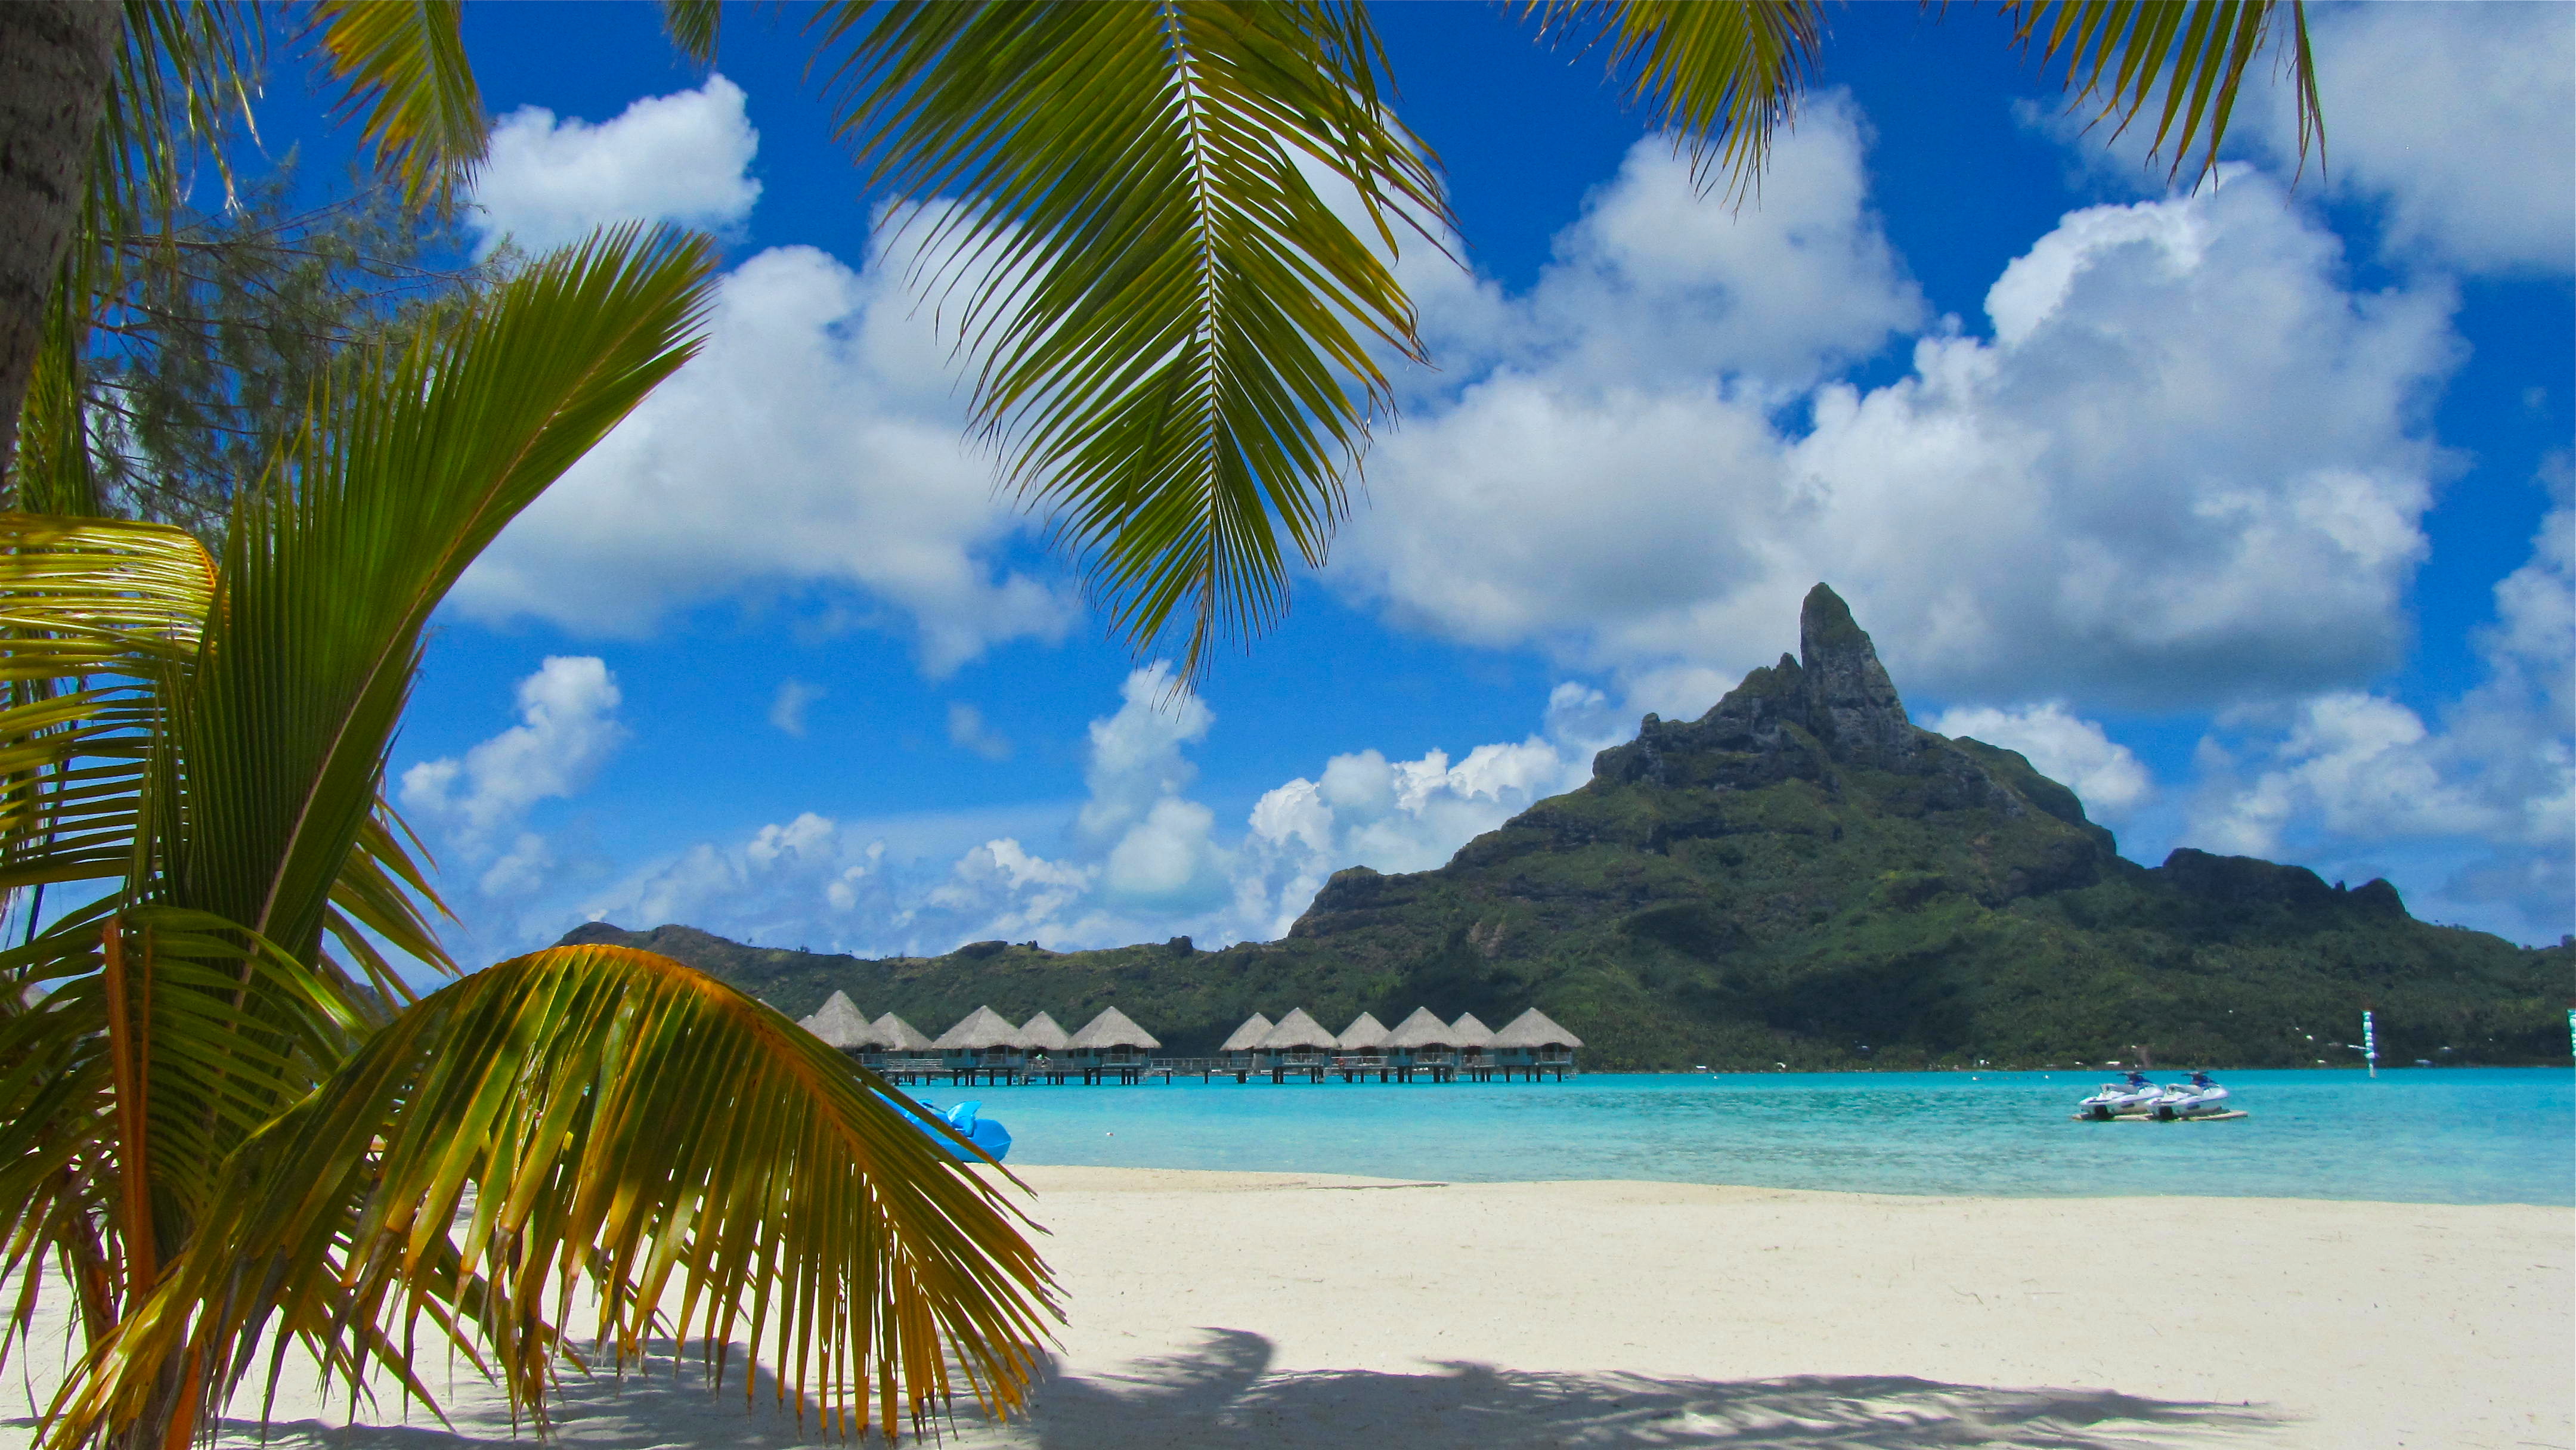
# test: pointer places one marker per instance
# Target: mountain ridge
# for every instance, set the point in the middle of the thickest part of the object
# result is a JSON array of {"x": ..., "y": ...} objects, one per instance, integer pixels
[{"x": 1801, "y": 875}]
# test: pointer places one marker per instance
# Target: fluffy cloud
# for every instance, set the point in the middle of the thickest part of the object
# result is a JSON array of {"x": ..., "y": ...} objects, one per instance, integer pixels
[
  {"x": 677, "y": 158},
  {"x": 2459, "y": 119},
  {"x": 1139, "y": 858},
  {"x": 2076, "y": 753},
  {"x": 2187, "y": 464},
  {"x": 814, "y": 446},
  {"x": 567, "y": 728},
  {"x": 2490, "y": 787},
  {"x": 816, "y": 440}
]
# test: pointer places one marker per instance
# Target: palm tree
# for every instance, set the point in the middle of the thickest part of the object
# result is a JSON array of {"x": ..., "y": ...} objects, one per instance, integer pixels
[{"x": 216, "y": 1141}]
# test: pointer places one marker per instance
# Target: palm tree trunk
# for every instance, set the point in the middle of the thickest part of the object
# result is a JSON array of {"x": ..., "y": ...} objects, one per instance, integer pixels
[{"x": 57, "y": 59}]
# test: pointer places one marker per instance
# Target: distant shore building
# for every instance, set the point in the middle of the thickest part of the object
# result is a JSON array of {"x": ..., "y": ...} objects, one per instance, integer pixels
[
  {"x": 1361, "y": 1048},
  {"x": 985, "y": 1042},
  {"x": 1110, "y": 1045},
  {"x": 1534, "y": 1044},
  {"x": 1045, "y": 1042},
  {"x": 1475, "y": 1046},
  {"x": 1298, "y": 1044},
  {"x": 840, "y": 1023},
  {"x": 1422, "y": 1043},
  {"x": 1242, "y": 1052}
]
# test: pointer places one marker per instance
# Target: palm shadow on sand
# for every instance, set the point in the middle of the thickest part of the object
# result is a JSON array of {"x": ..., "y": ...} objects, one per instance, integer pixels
[{"x": 1222, "y": 1394}]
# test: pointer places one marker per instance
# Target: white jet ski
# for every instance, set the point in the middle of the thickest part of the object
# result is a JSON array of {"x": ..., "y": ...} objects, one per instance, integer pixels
[
  {"x": 2199, "y": 1098},
  {"x": 2136, "y": 1096}
]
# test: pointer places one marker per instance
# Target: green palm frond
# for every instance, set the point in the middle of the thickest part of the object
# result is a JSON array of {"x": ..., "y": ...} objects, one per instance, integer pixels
[
  {"x": 1176, "y": 328},
  {"x": 2198, "y": 50},
  {"x": 602, "y": 1119},
  {"x": 1721, "y": 77},
  {"x": 404, "y": 77}
]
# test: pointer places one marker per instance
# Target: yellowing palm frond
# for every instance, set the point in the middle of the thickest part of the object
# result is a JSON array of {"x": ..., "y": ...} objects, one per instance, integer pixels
[
  {"x": 2198, "y": 50},
  {"x": 1176, "y": 327},
  {"x": 404, "y": 76},
  {"x": 605, "y": 1120}
]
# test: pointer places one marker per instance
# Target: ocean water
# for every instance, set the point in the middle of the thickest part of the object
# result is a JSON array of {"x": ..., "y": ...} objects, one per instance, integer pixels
[{"x": 2445, "y": 1135}]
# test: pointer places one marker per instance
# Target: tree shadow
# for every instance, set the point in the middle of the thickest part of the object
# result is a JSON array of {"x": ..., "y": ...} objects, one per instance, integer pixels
[{"x": 1223, "y": 1394}]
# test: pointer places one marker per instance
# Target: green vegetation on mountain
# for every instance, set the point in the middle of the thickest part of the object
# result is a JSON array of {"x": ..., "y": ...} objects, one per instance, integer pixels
[{"x": 1803, "y": 877}]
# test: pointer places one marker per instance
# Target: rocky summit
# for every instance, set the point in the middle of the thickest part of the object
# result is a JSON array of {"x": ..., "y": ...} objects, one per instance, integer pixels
[{"x": 1801, "y": 876}]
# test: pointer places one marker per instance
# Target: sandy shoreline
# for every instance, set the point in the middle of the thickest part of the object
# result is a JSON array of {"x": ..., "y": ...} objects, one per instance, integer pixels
[{"x": 1277, "y": 1310}]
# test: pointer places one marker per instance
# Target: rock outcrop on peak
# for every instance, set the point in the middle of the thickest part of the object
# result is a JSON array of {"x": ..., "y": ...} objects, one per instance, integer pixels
[{"x": 1801, "y": 875}]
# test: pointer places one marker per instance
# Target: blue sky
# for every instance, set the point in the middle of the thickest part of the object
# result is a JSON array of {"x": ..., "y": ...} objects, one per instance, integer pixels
[{"x": 2246, "y": 512}]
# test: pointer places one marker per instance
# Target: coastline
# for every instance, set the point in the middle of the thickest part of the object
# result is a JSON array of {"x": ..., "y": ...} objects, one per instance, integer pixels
[{"x": 1277, "y": 1310}]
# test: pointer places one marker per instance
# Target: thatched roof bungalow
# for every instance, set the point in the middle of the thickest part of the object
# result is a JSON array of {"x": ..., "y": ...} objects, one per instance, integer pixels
[
  {"x": 1239, "y": 1049},
  {"x": 898, "y": 1036},
  {"x": 1475, "y": 1039},
  {"x": 839, "y": 1023},
  {"x": 1533, "y": 1040},
  {"x": 1297, "y": 1038},
  {"x": 1365, "y": 1034},
  {"x": 1041, "y": 1034},
  {"x": 1418, "y": 1036},
  {"x": 1112, "y": 1038},
  {"x": 985, "y": 1036}
]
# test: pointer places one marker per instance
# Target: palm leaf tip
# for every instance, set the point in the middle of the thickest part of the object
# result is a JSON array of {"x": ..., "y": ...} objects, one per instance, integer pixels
[
  {"x": 1722, "y": 78},
  {"x": 2198, "y": 50},
  {"x": 1180, "y": 351}
]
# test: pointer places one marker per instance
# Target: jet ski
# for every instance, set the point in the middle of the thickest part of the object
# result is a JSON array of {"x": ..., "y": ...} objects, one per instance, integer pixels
[
  {"x": 2116, "y": 1100},
  {"x": 984, "y": 1133},
  {"x": 2199, "y": 1098}
]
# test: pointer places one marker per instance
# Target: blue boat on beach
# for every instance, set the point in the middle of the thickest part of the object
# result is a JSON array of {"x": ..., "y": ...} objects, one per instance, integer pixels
[{"x": 983, "y": 1132}]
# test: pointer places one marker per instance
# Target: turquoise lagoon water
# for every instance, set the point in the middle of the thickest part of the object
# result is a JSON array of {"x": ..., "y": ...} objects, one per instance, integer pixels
[{"x": 2446, "y": 1135}]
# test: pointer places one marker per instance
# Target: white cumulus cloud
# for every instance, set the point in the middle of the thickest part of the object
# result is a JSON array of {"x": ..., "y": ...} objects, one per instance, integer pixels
[
  {"x": 680, "y": 158},
  {"x": 2076, "y": 753},
  {"x": 567, "y": 728}
]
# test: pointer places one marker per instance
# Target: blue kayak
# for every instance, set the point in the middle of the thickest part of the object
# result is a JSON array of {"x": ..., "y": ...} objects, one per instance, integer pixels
[{"x": 984, "y": 1133}]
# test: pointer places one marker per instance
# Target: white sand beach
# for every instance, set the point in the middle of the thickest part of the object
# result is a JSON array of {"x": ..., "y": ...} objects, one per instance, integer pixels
[{"x": 1269, "y": 1310}]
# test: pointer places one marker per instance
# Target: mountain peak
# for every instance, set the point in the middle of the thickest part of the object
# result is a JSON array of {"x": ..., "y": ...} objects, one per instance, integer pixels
[{"x": 1852, "y": 705}]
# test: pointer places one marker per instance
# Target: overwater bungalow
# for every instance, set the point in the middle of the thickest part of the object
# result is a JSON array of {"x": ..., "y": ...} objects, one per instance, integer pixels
[
  {"x": 903, "y": 1052},
  {"x": 1046, "y": 1043},
  {"x": 985, "y": 1044},
  {"x": 840, "y": 1023},
  {"x": 1242, "y": 1051},
  {"x": 1361, "y": 1048},
  {"x": 1110, "y": 1045},
  {"x": 1422, "y": 1043},
  {"x": 1475, "y": 1047},
  {"x": 1533, "y": 1044},
  {"x": 1298, "y": 1044}
]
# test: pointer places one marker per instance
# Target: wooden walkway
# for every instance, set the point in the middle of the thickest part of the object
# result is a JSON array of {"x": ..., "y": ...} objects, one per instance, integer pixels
[{"x": 1302, "y": 1067}]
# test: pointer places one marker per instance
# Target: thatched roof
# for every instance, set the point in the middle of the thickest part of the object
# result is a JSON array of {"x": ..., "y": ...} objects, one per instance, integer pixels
[
  {"x": 1472, "y": 1033},
  {"x": 1420, "y": 1030},
  {"x": 1112, "y": 1029},
  {"x": 982, "y": 1028},
  {"x": 896, "y": 1035},
  {"x": 1249, "y": 1035},
  {"x": 1533, "y": 1029},
  {"x": 1040, "y": 1033},
  {"x": 839, "y": 1023},
  {"x": 1296, "y": 1030},
  {"x": 1364, "y": 1032}
]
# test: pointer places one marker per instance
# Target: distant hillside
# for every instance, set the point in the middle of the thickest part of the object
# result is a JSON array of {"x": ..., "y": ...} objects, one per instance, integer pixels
[{"x": 1799, "y": 876}]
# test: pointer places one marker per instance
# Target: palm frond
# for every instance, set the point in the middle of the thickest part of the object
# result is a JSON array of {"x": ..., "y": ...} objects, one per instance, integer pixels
[
  {"x": 1176, "y": 329},
  {"x": 405, "y": 78},
  {"x": 1721, "y": 77},
  {"x": 2197, "y": 50},
  {"x": 625, "y": 1126}
]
